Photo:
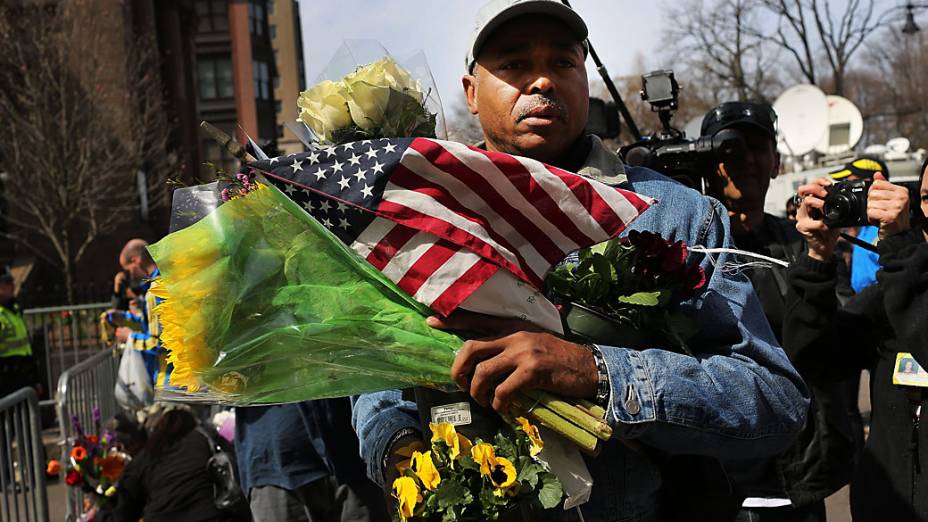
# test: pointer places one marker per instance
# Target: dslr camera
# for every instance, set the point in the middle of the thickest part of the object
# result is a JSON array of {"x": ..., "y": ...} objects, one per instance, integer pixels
[
  {"x": 846, "y": 204},
  {"x": 668, "y": 151}
]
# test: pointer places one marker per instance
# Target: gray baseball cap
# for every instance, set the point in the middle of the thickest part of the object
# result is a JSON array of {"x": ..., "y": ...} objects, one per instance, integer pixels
[{"x": 495, "y": 13}]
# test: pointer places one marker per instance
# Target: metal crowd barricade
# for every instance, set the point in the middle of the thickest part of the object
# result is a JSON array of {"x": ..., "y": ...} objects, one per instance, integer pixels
[
  {"x": 22, "y": 462},
  {"x": 65, "y": 336},
  {"x": 85, "y": 395}
]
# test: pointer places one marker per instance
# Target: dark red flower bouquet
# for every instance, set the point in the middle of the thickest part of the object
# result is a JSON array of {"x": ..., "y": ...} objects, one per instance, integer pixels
[{"x": 635, "y": 282}]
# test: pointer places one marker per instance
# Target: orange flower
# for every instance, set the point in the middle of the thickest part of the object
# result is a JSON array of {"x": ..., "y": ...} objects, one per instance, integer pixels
[
  {"x": 111, "y": 467},
  {"x": 78, "y": 453},
  {"x": 92, "y": 439},
  {"x": 53, "y": 468}
]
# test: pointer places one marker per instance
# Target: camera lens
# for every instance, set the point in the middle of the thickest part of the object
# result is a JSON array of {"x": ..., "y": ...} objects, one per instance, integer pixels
[{"x": 836, "y": 208}]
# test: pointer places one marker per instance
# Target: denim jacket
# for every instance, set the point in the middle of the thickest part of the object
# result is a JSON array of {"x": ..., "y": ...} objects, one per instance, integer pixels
[{"x": 739, "y": 397}]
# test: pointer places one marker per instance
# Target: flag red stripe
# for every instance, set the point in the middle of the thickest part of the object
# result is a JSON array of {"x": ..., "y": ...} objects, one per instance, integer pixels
[
  {"x": 447, "y": 162},
  {"x": 600, "y": 210},
  {"x": 523, "y": 181},
  {"x": 423, "y": 267},
  {"x": 409, "y": 180},
  {"x": 469, "y": 281},
  {"x": 391, "y": 243},
  {"x": 443, "y": 229}
]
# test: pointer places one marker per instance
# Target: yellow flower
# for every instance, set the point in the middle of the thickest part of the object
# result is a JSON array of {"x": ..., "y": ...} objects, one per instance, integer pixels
[
  {"x": 457, "y": 444},
  {"x": 110, "y": 491},
  {"x": 324, "y": 108},
  {"x": 533, "y": 435},
  {"x": 424, "y": 468},
  {"x": 369, "y": 91},
  {"x": 503, "y": 475},
  {"x": 485, "y": 456},
  {"x": 407, "y": 451},
  {"x": 406, "y": 493}
]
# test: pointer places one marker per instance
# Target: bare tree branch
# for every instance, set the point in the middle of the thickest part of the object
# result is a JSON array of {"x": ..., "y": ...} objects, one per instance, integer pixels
[{"x": 81, "y": 117}]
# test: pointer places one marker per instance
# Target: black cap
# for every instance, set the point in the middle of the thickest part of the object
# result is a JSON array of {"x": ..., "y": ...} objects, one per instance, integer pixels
[
  {"x": 6, "y": 275},
  {"x": 729, "y": 114},
  {"x": 863, "y": 167}
]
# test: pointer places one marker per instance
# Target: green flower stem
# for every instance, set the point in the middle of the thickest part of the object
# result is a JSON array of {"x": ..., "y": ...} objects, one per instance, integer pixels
[
  {"x": 575, "y": 415},
  {"x": 539, "y": 413},
  {"x": 594, "y": 409}
]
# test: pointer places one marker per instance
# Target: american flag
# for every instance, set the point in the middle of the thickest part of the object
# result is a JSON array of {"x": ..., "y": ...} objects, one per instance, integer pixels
[{"x": 440, "y": 218}]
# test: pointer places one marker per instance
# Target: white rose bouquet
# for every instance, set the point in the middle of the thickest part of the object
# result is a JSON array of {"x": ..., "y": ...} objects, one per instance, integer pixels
[{"x": 377, "y": 100}]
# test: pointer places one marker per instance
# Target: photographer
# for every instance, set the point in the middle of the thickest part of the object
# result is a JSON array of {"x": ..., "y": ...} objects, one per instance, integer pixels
[
  {"x": 870, "y": 332},
  {"x": 792, "y": 486}
]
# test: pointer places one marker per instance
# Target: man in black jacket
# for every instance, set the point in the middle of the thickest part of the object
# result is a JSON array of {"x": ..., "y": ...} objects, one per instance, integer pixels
[
  {"x": 870, "y": 332},
  {"x": 794, "y": 485}
]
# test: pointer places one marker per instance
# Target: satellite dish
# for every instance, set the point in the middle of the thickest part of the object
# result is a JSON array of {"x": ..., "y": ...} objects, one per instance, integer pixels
[
  {"x": 693, "y": 127},
  {"x": 802, "y": 119},
  {"x": 877, "y": 149},
  {"x": 845, "y": 126},
  {"x": 900, "y": 145}
]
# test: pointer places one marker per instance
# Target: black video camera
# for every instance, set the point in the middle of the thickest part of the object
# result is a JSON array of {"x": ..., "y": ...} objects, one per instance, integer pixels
[
  {"x": 668, "y": 151},
  {"x": 846, "y": 204}
]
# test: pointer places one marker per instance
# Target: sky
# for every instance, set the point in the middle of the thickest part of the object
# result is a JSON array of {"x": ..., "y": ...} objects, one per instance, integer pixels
[{"x": 622, "y": 31}]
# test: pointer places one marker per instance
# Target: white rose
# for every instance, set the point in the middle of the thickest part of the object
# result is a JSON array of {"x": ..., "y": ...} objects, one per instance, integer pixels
[
  {"x": 369, "y": 90},
  {"x": 324, "y": 108}
]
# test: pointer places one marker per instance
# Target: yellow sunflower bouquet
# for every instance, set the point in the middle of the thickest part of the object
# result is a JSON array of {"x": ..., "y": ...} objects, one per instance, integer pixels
[{"x": 461, "y": 480}]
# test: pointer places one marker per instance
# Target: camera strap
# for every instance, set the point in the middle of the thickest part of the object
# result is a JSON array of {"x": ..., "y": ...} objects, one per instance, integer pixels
[{"x": 858, "y": 242}]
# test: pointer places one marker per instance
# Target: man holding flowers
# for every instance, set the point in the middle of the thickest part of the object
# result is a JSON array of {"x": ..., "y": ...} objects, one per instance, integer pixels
[{"x": 737, "y": 397}]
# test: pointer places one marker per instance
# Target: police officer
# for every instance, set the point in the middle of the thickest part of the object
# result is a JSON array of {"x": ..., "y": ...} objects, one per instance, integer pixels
[{"x": 17, "y": 368}]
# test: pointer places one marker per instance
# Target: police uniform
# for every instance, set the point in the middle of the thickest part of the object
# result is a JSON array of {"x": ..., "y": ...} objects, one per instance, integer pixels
[{"x": 16, "y": 365}]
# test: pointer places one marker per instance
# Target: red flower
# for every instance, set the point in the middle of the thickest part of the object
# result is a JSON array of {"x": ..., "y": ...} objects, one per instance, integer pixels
[
  {"x": 92, "y": 439},
  {"x": 73, "y": 477},
  {"x": 78, "y": 453},
  {"x": 695, "y": 279},
  {"x": 673, "y": 258}
]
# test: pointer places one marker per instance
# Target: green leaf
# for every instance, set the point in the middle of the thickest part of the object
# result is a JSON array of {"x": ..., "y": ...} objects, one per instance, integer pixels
[
  {"x": 528, "y": 471},
  {"x": 643, "y": 298},
  {"x": 452, "y": 493},
  {"x": 551, "y": 492},
  {"x": 504, "y": 447},
  {"x": 603, "y": 267},
  {"x": 584, "y": 253}
]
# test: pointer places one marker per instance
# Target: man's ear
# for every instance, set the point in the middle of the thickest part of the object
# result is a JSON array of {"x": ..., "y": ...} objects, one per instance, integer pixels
[
  {"x": 776, "y": 164},
  {"x": 469, "y": 82}
]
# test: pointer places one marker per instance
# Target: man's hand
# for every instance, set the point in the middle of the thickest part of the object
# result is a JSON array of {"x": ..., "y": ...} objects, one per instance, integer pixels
[
  {"x": 494, "y": 371},
  {"x": 118, "y": 282},
  {"x": 820, "y": 238},
  {"x": 518, "y": 355},
  {"x": 888, "y": 206},
  {"x": 122, "y": 334}
]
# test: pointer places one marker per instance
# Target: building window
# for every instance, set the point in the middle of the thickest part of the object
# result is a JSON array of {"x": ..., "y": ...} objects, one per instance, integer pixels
[
  {"x": 273, "y": 31},
  {"x": 256, "y": 17},
  {"x": 214, "y": 76},
  {"x": 262, "y": 79},
  {"x": 276, "y": 82},
  {"x": 270, "y": 7},
  {"x": 212, "y": 16},
  {"x": 278, "y": 106},
  {"x": 280, "y": 131}
]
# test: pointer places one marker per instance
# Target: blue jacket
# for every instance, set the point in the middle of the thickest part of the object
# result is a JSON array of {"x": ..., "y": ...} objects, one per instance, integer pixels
[{"x": 740, "y": 397}]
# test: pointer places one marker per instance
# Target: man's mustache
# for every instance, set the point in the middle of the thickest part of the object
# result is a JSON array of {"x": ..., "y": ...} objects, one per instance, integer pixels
[{"x": 540, "y": 101}]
